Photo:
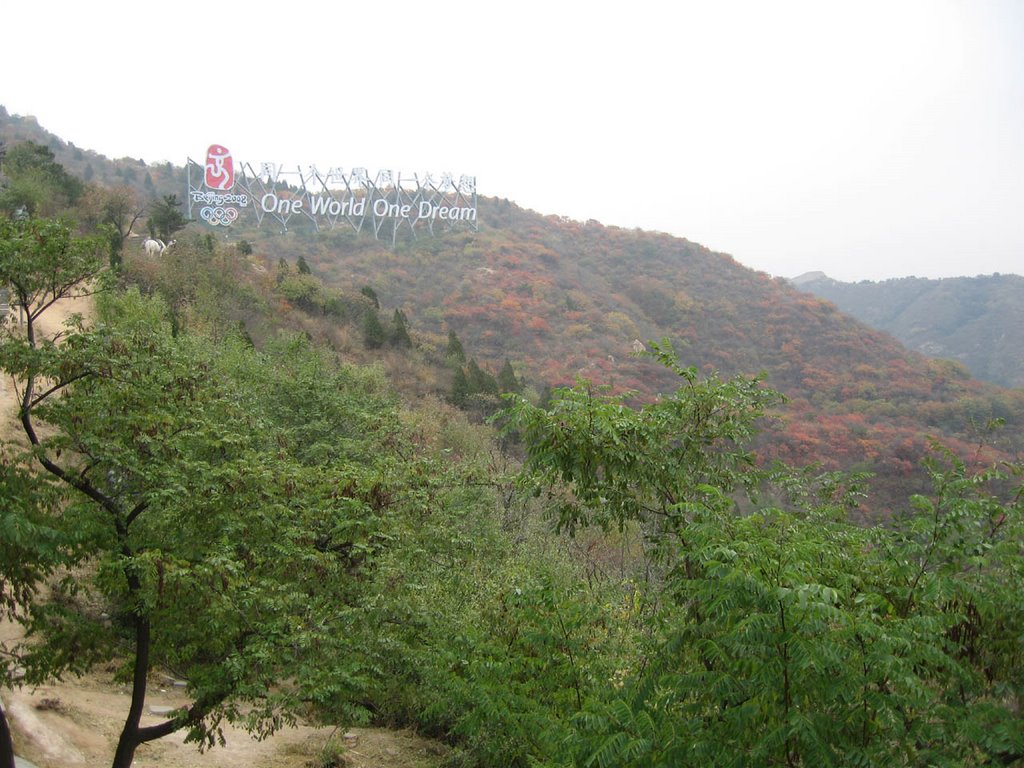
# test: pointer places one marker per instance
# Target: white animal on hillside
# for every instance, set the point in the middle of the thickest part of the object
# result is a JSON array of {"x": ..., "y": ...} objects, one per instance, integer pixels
[{"x": 154, "y": 247}]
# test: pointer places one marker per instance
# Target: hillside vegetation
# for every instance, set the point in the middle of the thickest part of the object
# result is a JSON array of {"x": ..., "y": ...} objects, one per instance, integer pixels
[
  {"x": 561, "y": 299},
  {"x": 253, "y": 470},
  {"x": 972, "y": 320}
]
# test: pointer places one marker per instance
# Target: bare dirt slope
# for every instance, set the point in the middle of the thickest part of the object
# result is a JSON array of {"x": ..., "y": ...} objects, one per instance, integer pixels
[{"x": 76, "y": 722}]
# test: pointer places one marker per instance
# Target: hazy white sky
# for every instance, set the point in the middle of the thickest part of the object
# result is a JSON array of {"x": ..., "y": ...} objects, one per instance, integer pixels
[{"x": 866, "y": 139}]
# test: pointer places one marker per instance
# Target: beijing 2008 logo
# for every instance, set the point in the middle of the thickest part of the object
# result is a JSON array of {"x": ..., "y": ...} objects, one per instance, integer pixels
[
  {"x": 220, "y": 170},
  {"x": 220, "y": 176}
]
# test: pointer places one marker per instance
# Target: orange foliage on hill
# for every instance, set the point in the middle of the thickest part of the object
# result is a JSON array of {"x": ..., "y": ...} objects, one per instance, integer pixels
[{"x": 564, "y": 299}]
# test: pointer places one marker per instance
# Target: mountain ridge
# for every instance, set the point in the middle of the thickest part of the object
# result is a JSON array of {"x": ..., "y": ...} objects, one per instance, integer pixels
[{"x": 959, "y": 318}]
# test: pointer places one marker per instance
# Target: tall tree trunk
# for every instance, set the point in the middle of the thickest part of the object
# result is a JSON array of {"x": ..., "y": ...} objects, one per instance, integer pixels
[{"x": 130, "y": 733}]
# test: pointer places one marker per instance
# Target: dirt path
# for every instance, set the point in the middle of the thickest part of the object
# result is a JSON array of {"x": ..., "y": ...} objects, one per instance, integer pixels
[{"x": 76, "y": 722}]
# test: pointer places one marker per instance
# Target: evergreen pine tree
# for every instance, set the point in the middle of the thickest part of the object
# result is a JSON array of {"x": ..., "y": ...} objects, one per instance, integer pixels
[
  {"x": 400, "y": 332},
  {"x": 545, "y": 397},
  {"x": 460, "y": 387},
  {"x": 374, "y": 335},
  {"x": 507, "y": 381},
  {"x": 303, "y": 267},
  {"x": 455, "y": 350},
  {"x": 480, "y": 381},
  {"x": 166, "y": 218},
  {"x": 371, "y": 295}
]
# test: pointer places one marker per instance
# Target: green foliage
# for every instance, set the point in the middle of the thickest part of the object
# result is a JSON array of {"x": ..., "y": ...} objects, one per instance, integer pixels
[
  {"x": 231, "y": 501},
  {"x": 455, "y": 351},
  {"x": 37, "y": 182},
  {"x": 371, "y": 294},
  {"x": 789, "y": 641},
  {"x": 302, "y": 266},
  {"x": 399, "y": 336},
  {"x": 374, "y": 335},
  {"x": 302, "y": 290},
  {"x": 460, "y": 387},
  {"x": 474, "y": 390},
  {"x": 166, "y": 218},
  {"x": 788, "y": 637},
  {"x": 342, "y": 559},
  {"x": 331, "y": 755},
  {"x": 507, "y": 381},
  {"x": 494, "y": 645},
  {"x": 32, "y": 543},
  {"x": 662, "y": 463},
  {"x": 43, "y": 262},
  {"x": 202, "y": 290},
  {"x": 480, "y": 381}
]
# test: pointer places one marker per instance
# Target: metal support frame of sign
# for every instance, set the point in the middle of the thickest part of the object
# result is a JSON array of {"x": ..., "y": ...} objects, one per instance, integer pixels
[{"x": 387, "y": 203}]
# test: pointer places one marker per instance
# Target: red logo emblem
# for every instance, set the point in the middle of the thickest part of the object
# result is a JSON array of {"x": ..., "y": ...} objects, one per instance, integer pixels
[{"x": 220, "y": 170}]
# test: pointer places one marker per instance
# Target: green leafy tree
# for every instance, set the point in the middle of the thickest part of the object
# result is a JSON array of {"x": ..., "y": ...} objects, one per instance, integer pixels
[
  {"x": 302, "y": 266},
  {"x": 42, "y": 263},
  {"x": 32, "y": 548},
  {"x": 204, "y": 481},
  {"x": 783, "y": 634},
  {"x": 37, "y": 183},
  {"x": 302, "y": 290}
]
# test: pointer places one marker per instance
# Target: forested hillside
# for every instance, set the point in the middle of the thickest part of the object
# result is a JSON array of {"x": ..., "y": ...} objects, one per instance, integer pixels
[
  {"x": 258, "y": 467},
  {"x": 972, "y": 320},
  {"x": 562, "y": 299}
]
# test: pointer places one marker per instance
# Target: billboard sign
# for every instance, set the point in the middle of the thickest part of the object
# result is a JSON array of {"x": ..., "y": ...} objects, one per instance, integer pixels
[{"x": 224, "y": 192}]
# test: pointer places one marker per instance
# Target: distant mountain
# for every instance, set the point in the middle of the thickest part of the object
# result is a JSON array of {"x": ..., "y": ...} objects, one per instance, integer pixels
[
  {"x": 976, "y": 321},
  {"x": 563, "y": 299}
]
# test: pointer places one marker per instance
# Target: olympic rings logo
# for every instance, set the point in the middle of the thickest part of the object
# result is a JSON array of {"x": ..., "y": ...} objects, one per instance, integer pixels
[{"x": 219, "y": 216}]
